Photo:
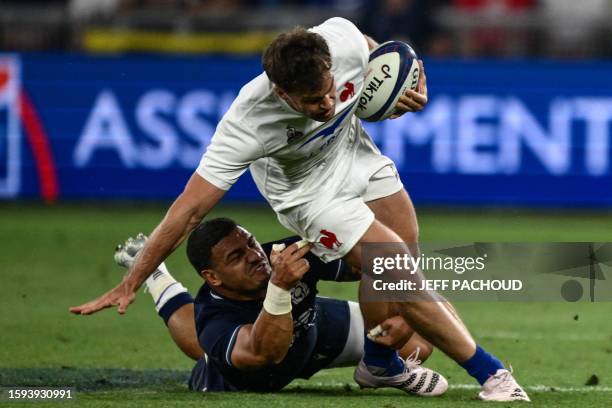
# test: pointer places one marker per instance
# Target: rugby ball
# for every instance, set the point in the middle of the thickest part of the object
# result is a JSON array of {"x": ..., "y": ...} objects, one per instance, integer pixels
[{"x": 393, "y": 68}]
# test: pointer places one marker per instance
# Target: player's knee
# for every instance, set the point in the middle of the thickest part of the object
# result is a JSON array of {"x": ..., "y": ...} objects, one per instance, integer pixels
[{"x": 412, "y": 235}]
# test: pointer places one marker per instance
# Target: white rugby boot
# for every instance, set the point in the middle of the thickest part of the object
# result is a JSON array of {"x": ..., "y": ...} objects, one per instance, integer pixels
[
  {"x": 415, "y": 379},
  {"x": 161, "y": 284},
  {"x": 125, "y": 254},
  {"x": 502, "y": 387}
]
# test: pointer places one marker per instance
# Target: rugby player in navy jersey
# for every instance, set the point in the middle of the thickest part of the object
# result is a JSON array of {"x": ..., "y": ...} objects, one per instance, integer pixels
[{"x": 253, "y": 345}]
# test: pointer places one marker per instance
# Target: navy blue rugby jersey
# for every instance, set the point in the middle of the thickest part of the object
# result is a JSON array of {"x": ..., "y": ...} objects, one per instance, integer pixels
[{"x": 218, "y": 320}]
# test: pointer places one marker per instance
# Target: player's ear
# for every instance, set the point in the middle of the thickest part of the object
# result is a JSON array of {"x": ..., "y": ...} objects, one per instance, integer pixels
[
  {"x": 281, "y": 93},
  {"x": 210, "y": 277}
]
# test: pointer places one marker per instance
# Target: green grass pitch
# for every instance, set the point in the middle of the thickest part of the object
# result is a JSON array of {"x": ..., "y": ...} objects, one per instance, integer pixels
[{"x": 52, "y": 257}]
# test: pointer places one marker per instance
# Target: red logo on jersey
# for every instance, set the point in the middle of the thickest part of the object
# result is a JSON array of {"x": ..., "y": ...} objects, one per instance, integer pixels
[
  {"x": 4, "y": 76},
  {"x": 348, "y": 92},
  {"x": 329, "y": 240}
]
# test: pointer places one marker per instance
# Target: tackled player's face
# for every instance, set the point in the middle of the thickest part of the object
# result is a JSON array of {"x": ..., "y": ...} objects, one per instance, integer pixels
[
  {"x": 321, "y": 105},
  {"x": 240, "y": 262}
]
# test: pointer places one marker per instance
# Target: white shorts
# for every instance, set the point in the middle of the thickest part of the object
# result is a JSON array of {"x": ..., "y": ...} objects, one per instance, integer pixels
[{"x": 336, "y": 222}]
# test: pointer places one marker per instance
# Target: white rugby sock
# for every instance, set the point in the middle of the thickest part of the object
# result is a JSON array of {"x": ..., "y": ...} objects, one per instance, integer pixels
[{"x": 162, "y": 286}]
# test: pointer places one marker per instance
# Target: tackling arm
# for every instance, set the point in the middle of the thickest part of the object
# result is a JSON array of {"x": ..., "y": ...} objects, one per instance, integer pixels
[
  {"x": 267, "y": 341},
  {"x": 263, "y": 343}
]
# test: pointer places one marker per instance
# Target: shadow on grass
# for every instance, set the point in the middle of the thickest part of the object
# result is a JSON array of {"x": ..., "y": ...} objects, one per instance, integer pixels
[
  {"x": 333, "y": 392},
  {"x": 91, "y": 379},
  {"x": 116, "y": 379}
]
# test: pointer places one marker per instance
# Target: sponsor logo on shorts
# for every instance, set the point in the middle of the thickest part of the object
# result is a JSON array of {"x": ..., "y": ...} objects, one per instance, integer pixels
[
  {"x": 329, "y": 240},
  {"x": 348, "y": 92}
]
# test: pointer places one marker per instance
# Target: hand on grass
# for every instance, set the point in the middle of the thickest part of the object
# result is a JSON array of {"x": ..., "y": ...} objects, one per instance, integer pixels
[{"x": 121, "y": 296}]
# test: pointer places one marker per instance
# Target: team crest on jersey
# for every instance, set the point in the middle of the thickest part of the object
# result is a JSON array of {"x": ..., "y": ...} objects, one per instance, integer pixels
[
  {"x": 299, "y": 292},
  {"x": 329, "y": 240},
  {"x": 293, "y": 134},
  {"x": 347, "y": 92}
]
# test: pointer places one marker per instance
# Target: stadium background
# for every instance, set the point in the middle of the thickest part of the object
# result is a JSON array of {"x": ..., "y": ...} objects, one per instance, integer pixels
[{"x": 105, "y": 108}]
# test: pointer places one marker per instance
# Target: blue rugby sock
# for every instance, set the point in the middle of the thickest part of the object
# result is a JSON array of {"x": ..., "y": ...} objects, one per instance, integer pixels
[
  {"x": 173, "y": 304},
  {"x": 482, "y": 365},
  {"x": 376, "y": 355}
]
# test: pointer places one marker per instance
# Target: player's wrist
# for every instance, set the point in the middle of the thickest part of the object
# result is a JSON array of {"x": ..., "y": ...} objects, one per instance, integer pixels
[
  {"x": 131, "y": 283},
  {"x": 278, "y": 300},
  {"x": 280, "y": 283}
]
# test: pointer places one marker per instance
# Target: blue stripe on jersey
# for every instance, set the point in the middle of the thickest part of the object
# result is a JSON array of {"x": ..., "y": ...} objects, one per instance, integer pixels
[
  {"x": 230, "y": 347},
  {"x": 330, "y": 130}
]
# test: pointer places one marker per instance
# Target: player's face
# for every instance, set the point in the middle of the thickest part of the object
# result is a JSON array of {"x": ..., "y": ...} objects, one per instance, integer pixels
[
  {"x": 241, "y": 263},
  {"x": 321, "y": 105}
]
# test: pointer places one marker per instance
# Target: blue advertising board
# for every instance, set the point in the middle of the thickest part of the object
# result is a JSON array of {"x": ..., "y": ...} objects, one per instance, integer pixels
[{"x": 494, "y": 132}]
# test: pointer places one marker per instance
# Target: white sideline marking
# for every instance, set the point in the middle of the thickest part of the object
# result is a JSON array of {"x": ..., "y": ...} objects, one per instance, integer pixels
[
  {"x": 540, "y": 388},
  {"x": 535, "y": 388},
  {"x": 534, "y": 336}
]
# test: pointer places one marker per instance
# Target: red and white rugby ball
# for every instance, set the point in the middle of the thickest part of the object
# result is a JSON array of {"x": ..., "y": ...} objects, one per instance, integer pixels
[{"x": 393, "y": 68}]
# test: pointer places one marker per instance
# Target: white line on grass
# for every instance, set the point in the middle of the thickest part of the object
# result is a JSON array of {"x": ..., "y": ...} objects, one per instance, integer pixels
[
  {"x": 541, "y": 388},
  {"x": 535, "y": 388},
  {"x": 536, "y": 336}
]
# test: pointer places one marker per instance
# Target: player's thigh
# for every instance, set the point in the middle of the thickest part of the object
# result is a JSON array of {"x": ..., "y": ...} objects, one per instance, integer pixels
[
  {"x": 352, "y": 349},
  {"x": 381, "y": 242},
  {"x": 375, "y": 238},
  {"x": 376, "y": 179},
  {"x": 339, "y": 329},
  {"x": 397, "y": 212}
]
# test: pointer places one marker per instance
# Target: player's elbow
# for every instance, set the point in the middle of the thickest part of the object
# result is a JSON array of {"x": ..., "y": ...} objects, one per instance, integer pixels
[
  {"x": 272, "y": 356},
  {"x": 255, "y": 352},
  {"x": 277, "y": 357},
  {"x": 256, "y": 361}
]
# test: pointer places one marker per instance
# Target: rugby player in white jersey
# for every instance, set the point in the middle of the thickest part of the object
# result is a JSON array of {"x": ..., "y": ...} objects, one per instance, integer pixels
[{"x": 294, "y": 127}]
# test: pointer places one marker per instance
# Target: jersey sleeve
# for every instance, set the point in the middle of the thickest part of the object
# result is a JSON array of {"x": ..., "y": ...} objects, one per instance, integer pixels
[
  {"x": 218, "y": 338},
  {"x": 344, "y": 36},
  {"x": 232, "y": 149}
]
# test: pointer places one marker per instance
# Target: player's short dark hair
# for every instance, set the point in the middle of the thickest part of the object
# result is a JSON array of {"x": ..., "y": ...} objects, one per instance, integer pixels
[
  {"x": 296, "y": 61},
  {"x": 204, "y": 237}
]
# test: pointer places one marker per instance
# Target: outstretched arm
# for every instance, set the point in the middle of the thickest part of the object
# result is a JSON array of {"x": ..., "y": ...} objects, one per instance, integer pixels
[{"x": 198, "y": 198}]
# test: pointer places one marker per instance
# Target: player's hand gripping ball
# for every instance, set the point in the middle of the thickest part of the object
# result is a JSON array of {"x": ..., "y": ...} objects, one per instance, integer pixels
[{"x": 393, "y": 69}]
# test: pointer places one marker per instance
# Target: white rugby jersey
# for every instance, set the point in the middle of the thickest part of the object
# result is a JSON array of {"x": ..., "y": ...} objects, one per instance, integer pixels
[{"x": 292, "y": 158}]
